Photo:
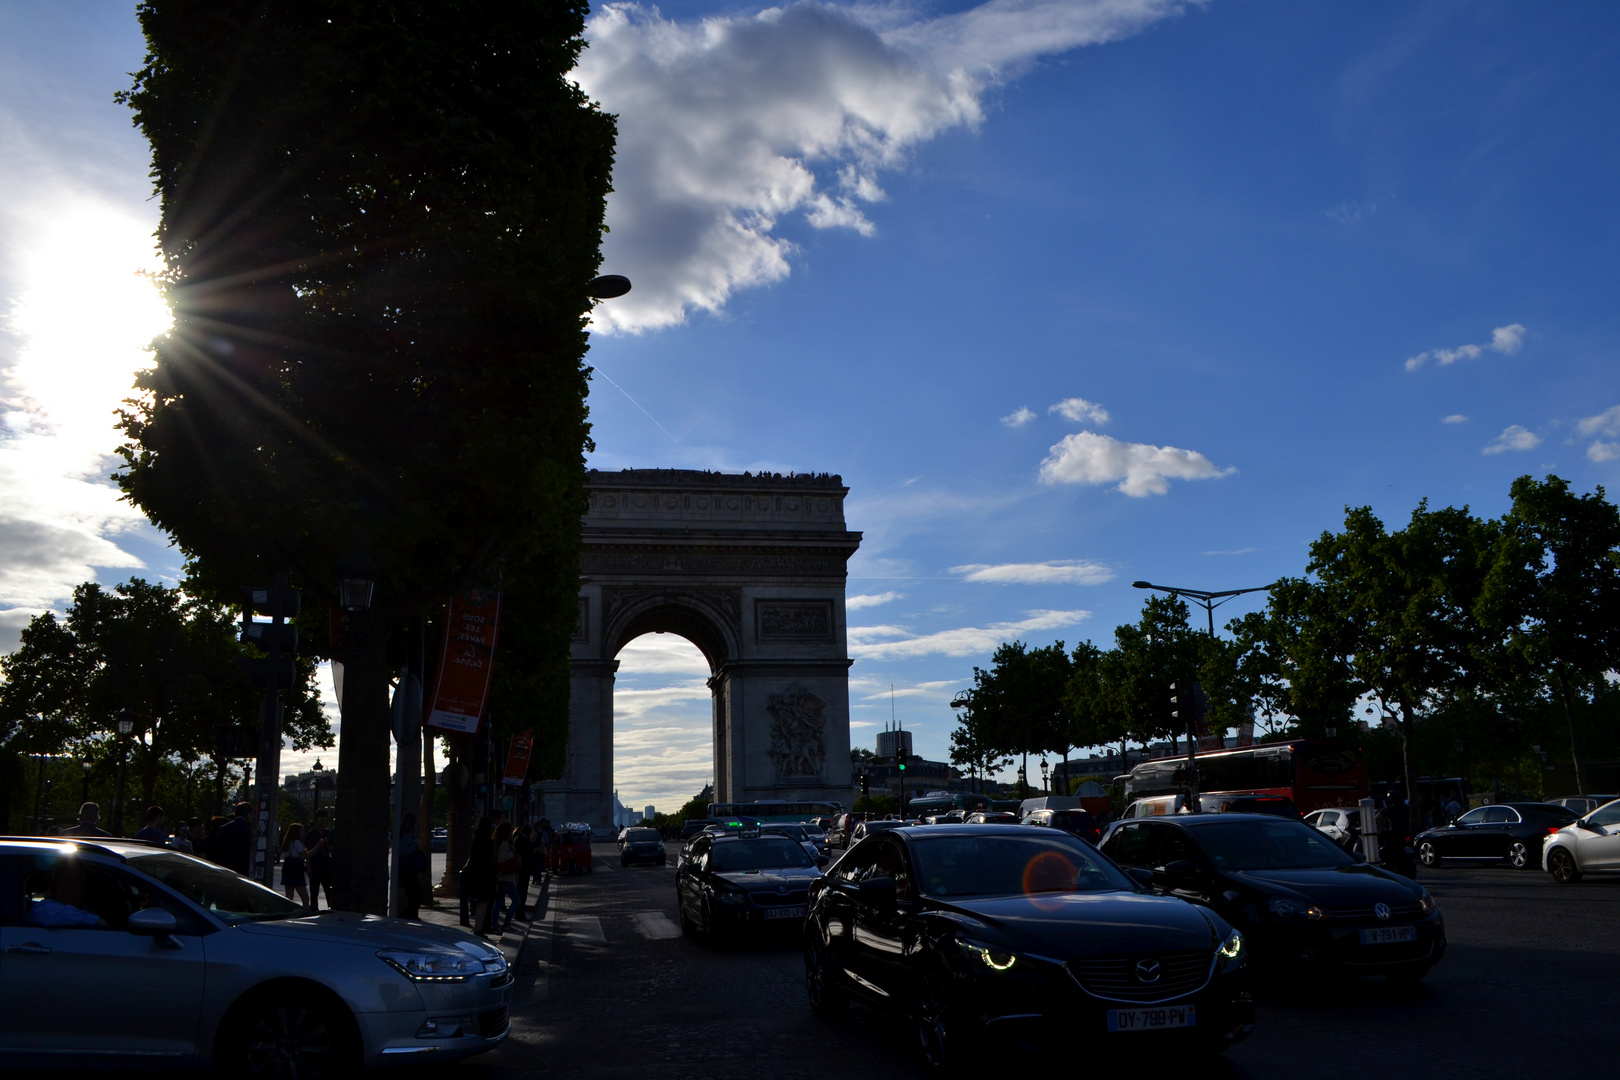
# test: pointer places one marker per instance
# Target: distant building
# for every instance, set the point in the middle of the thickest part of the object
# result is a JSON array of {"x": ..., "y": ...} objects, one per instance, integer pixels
[
  {"x": 648, "y": 813},
  {"x": 893, "y": 743}
]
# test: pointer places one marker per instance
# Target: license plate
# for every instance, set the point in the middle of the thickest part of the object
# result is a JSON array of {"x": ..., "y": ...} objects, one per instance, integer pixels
[
  {"x": 1175, "y": 1016},
  {"x": 785, "y": 912},
  {"x": 1388, "y": 935}
]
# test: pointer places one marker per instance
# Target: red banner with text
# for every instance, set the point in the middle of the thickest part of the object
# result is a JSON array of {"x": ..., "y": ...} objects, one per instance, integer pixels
[
  {"x": 517, "y": 759},
  {"x": 467, "y": 661}
]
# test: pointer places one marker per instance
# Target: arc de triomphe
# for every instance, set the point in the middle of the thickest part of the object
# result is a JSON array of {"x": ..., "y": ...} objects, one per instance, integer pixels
[{"x": 751, "y": 570}]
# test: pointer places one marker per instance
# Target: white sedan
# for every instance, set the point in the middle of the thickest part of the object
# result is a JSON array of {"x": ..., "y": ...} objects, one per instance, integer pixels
[{"x": 1590, "y": 844}]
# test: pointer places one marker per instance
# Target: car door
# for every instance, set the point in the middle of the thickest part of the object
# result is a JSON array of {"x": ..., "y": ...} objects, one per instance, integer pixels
[
  {"x": 1463, "y": 839},
  {"x": 688, "y": 878},
  {"x": 1128, "y": 845},
  {"x": 878, "y": 937},
  {"x": 1179, "y": 868},
  {"x": 1597, "y": 845},
  {"x": 94, "y": 992},
  {"x": 840, "y": 904},
  {"x": 1490, "y": 840}
]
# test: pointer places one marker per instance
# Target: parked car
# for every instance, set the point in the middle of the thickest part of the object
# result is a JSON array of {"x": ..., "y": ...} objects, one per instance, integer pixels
[
  {"x": 863, "y": 829},
  {"x": 1075, "y": 822},
  {"x": 730, "y": 881},
  {"x": 1303, "y": 901},
  {"x": 1590, "y": 844},
  {"x": 840, "y": 832},
  {"x": 976, "y": 934},
  {"x": 1582, "y": 805},
  {"x": 439, "y": 840},
  {"x": 1342, "y": 825},
  {"x": 641, "y": 845},
  {"x": 212, "y": 971},
  {"x": 1501, "y": 831}
]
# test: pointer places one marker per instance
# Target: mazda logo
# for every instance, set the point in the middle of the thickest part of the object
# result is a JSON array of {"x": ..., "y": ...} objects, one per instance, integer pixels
[
  {"x": 1147, "y": 971},
  {"x": 1381, "y": 910}
]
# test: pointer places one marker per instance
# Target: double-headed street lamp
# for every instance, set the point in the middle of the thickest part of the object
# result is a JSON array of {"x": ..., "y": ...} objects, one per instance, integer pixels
[{"x": 1209, "y": 601}]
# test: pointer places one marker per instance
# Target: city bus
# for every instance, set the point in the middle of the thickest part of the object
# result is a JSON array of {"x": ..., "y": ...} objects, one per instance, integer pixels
[
  {"x": 1314, "y": 773},
  {"x": 773, "y": 811},
  {"x": 943, "y": 802}
]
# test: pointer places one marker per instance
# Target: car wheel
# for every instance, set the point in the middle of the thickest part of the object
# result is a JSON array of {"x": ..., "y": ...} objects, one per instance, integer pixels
[
  {"x": 1519, "y": 855},
  {"x": 1562, "y": 865},
  {"x": 945, "y": 1045},
  {"x": 1428, "y": 855},
  {"x": 826, "y": 999},
  {"x": 287, "y": 1038}
]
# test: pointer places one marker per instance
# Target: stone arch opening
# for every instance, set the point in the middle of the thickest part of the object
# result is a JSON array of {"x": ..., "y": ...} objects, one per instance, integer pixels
[{"x": 751, "y": 570}]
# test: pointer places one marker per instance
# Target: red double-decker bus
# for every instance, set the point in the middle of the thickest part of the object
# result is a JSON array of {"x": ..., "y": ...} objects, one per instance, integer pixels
[{"x": 1314, "y": 773}]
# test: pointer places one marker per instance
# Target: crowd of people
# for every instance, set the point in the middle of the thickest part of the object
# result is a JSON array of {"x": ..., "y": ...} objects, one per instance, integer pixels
[{"x": 502, "y": 862}]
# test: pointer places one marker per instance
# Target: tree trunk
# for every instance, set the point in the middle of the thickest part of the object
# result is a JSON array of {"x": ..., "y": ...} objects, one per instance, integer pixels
[
  {"x": 360, "y": 853},
  {"x": 149, "y": 771},
  {"x": 1569, "y": 717},
  {"x": 424, "y": 819}
]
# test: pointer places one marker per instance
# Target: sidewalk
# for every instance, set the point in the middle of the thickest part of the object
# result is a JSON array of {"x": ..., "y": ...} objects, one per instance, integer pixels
[{"x": 446, "y": 911}]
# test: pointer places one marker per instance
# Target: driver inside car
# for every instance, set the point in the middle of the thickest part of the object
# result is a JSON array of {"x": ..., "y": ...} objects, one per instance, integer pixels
[{"x": 63, "y": 904}]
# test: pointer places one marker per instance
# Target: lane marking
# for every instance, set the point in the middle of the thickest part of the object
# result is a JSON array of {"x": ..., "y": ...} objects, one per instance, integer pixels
[
  {"x": 586, "y": 929},
  {"x": 656, "y": 925}
]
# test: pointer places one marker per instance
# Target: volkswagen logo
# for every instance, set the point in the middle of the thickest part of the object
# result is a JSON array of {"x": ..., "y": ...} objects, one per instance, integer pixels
[
  {"x": 1381, "y": 910},
  {"x": 1147, "y": 971}
]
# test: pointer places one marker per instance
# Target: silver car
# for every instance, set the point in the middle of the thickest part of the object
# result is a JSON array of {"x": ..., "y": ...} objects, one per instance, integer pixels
[{"x": 115, "y": 951}]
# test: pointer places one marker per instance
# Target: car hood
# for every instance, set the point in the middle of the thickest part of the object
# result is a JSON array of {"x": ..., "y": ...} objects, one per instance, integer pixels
[
  {"x": 1359, "y": 885},
  {"x": 371, "y": 931},
  {"x": 770, "y": 880},
  {"x": 1069, "y": 925}
]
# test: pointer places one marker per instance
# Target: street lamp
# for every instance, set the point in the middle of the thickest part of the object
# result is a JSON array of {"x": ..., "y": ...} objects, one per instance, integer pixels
[
  {"x": 126, "y": 724},
  {"x": 357, "y": 580},
  {"x": 609, "y": 286},
  {"x": 1045, "y": 786},
  {"x": 1209, "y": 601},
  {"x": 318, "y": 769}
]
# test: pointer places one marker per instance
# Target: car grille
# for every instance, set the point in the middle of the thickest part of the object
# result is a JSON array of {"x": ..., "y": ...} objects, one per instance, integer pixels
[
  {"x": 501, "y": 981},
  {"x": 493, "y": 1023},
  {"x": 776, "y": 899},
  {"x": 1115, "y": 978},
  {"x": 1396, "y": 911}
]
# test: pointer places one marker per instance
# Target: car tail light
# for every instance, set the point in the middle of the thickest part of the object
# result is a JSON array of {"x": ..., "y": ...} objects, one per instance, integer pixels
[{"x": 1553, "y": 829}]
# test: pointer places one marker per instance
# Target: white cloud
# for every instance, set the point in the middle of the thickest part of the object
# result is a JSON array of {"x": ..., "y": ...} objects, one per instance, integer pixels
[
  {"x": 1513, "y": 437},
  {"x": 868, "y": 642},
  {"x": 1080, "y": 411},
  {"x": 1504, "y": 339},
  {"x": 1052, "y": 572},
  {"x": 1234, "y": 551},
  {"x": 1141, "y": 468},
  {"x": 1606, "y": 422},
  {"x": 1455, "y": 418},
  {"x": 1603, "y": 451},
  {"x": 1018, "y": 419},
  {"x": 730, "y": 125},
  {"x": 866, "y": 600},
  {"x": 871, "y": 689},
  {"x": 662, "y": 654}
]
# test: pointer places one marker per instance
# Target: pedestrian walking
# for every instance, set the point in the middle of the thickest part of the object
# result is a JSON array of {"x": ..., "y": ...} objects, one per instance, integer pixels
[
  {"x": 523, "y": 844},
  {"x": 89, "y": 814},
  {"x": 318, "y": 841},
  {"x": 478, "y": 874},
  {"x": 507, "y": 865},
  {"x": 413, "y": 863},
  {"x": 153, "y": 833},
  {"x": 292, "y": 864},
  {"x": 233, "y": 847}
]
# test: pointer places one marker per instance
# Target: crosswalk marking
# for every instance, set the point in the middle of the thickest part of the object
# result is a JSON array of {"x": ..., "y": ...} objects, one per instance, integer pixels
[
  {"x": 586, "y": 929},
  {"x": 656, "y": 925}
]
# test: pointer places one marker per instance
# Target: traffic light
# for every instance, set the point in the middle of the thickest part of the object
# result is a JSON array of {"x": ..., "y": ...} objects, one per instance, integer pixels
[
  {"x": 1175, "y": 704},
  {"x": 866, "y": 784},
  {"x": 902, "y": 764},
  {"x": 278, "y": 637}
]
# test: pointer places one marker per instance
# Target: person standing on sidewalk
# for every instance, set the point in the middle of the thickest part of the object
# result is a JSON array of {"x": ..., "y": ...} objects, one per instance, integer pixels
[
  {"x": 233, "y": 848},
  {"x": 507, "y": 865},
  {"x": 89, "y": 814},
  {"x": 319, "y": 842},
  {"x": 154, "y": 833},
  {"x": 293, "y": 864},
  {"x": 523, "y": 844},
  {"x": 478, "y": 874}
]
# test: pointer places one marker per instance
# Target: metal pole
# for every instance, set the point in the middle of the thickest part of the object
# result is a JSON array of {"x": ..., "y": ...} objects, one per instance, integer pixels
[{"x": 269, "y": 757}]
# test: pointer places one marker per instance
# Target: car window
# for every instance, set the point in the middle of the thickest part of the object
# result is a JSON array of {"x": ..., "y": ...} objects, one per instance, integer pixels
[
  {"x": 637, "y": 836},
  {"x": 1129, "y": 845},
  {"x": 855, "y": 864},
  {"x": 891, "y": 862},
  {"x": 1316, "y": 818},
  {"x": 1498, "y": 815},
  {"x": 1172, "y": 844},
  {"x": 1267, "y": 845},
  {"x": 1475, "y": 816},
  {"x": 1002, "y": 865},
  {"x": 765, "y": 853},
  {"x": 228, "y": 896},
  {"x": 61, "y": 890},
  {"x": 1606, "y": 815}
]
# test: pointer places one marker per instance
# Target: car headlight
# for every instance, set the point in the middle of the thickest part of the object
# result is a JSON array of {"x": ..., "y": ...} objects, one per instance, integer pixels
[
  {"x": 991, "y": 957},
  {"x": 731, "y": 897},
  {"x": 1284, "y": 908},
  {"x": 1233, "y": 951},
  {"x": 433, "y": 965},
  {"x": 1427, "y": 902}
]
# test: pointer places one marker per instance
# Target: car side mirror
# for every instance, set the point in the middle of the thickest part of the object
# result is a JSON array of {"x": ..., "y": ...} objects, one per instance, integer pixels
[
  {"x": 1181, "y": 867},
  {"x": 1588, "y": 826},
  {"x": 153, "y": 923},
  {"x": 1142, "y": 874},
  {"x": 822, "y": 861},
  {"x": 879, "y": 893}
]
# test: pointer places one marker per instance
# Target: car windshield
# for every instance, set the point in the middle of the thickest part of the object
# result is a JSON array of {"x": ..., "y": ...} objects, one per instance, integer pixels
[
  {"x": 640, "y": 836},
  {"x": 1009, "y": 865},
  {"x": 1268, "y": 845},
  {"x": 228, "y": 896},
  {"x": 814, "y": 831},
  {"x": 792, "y": 832},
  {"x": 766, "y": 853}
]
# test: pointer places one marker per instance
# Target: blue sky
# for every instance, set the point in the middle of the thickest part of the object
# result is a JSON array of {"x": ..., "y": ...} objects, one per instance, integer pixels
[{"x": 1070, "y": 294}]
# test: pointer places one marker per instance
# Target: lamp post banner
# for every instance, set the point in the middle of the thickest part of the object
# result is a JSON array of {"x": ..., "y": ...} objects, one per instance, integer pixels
[
  {"x": 517, "y": 759},
  {"x": 467, "y": 661}
]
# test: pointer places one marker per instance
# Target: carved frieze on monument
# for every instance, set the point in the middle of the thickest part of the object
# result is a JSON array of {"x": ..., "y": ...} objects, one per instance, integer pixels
[
  {"x": 793, "y": 620},
  {"x": 727, "y": 601},
  {"x": 798, "y": 734}
]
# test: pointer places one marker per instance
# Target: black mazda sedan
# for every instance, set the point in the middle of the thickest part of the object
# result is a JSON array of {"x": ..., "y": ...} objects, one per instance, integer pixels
[
  {"x": 1513, "y": 832},
  {"x": 988, "y": 934},
  {"x": 1302, "y": 900}
]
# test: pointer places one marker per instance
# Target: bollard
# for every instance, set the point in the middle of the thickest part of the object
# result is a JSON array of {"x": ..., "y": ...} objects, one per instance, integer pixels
[{"x": 1369, "y": 830}]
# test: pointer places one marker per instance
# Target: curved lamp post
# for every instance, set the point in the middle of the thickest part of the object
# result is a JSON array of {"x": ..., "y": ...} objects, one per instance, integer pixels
[{"x": 1209, "y": 601}]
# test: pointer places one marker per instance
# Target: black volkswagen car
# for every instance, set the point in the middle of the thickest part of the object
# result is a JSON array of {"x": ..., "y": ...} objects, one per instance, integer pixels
[
  {"x": 1511, "y": 832},
  {"x": 641, "y": 845},
  {"x": 730, "y": 880},
  {"x": 981, "y": 934},
  {"x": 1301, "y": 899}
]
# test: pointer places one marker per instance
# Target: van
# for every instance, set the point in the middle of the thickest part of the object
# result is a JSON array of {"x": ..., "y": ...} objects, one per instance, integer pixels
[
  {"x": 1156, "y": 806},
  {"x": 1047, "y": 802}
]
